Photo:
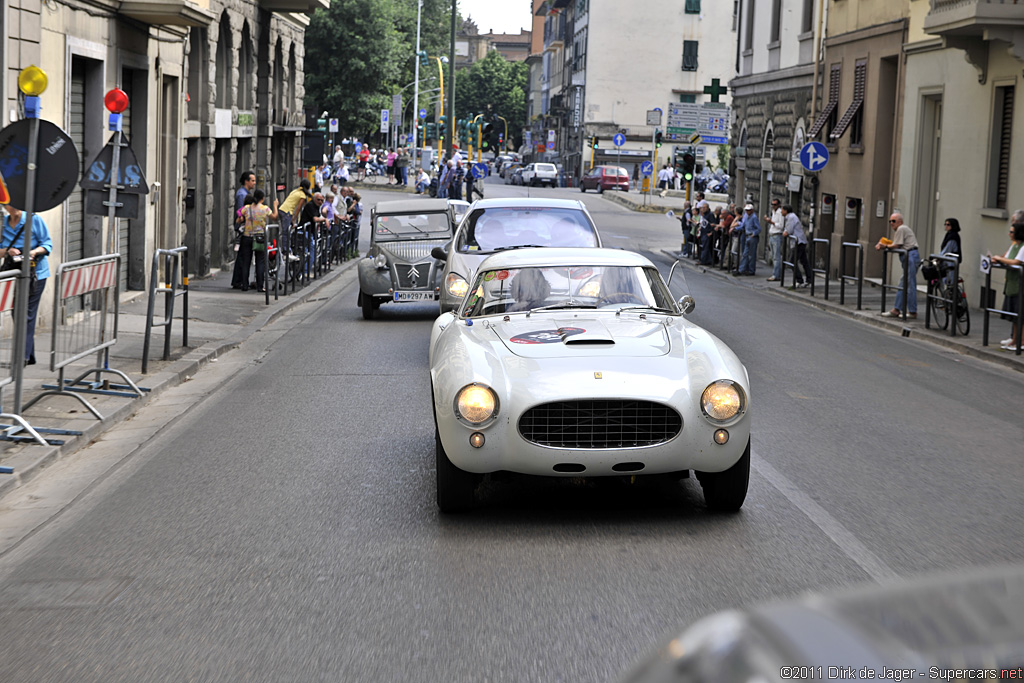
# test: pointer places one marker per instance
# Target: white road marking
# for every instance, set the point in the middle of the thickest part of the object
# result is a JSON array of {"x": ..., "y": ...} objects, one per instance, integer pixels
[{"x": 840, "y": 535}]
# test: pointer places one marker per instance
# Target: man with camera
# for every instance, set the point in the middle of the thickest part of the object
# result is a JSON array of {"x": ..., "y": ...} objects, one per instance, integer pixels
[{"x": 11, "y": 244}]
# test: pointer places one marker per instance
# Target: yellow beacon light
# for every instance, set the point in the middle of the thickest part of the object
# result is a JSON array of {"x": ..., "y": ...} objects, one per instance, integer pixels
[{"x": 32, "y": 81}]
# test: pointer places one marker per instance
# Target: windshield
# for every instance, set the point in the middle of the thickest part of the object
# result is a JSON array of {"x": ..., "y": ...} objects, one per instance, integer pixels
[
  {"x": 412, "y": 226},
  {"x": 514, "y": 290},
  {"x": 491, "y": 229},
  {"x": 547, "y": 168}
]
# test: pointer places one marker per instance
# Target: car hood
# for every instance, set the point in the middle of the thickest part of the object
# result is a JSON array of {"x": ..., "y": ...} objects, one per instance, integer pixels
[{"x": 576, "y": 336}]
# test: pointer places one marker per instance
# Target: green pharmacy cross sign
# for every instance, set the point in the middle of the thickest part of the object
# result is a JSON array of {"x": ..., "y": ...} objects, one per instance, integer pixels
[{"x": 716, "y": 89}]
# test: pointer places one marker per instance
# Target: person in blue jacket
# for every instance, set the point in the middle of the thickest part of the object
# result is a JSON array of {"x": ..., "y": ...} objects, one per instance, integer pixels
[
  {"x": 751, "y": 228},
  {"x": 12, "y": 240}
]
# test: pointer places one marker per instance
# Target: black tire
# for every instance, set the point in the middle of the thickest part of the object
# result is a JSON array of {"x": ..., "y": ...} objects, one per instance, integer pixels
[
  {"x": 600, "y": 189},
  {"x": 582, "y": 188},
  {"x": 726, "y": 491},
  {"x": 963, "y": 313},
  {"x": 456, "y": 489},
  {"x": 533, "y": 182},
  {"x": 940, "y": 309},
  {"x": 368, "y": 304}
]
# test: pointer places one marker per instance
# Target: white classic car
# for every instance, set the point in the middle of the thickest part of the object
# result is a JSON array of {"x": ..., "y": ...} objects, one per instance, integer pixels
[{"x": 579, "y": 363}]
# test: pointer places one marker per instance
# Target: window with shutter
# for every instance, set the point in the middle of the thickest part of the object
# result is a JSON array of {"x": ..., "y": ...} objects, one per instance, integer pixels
[
  {"x": 833, "y": 102},
  {"x": 859, "y": 77},
  {"x": 999, "y": 163},
  {"x": 693, "y": 6},
  {"x": 689, "y": 55}
]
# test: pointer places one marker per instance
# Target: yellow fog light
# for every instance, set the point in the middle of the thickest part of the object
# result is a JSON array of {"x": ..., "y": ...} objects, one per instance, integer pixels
[
  {"x": 721, "y": 437},
  {"x": 32, "y": 81},
  {"x": 476, "y": 440},
  {"x": 476, "y": 403},
  {"x": 722, "y": 400}
]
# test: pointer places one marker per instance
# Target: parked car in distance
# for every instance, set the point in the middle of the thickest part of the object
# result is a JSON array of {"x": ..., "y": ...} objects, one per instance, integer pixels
[
  {"x": 605, "y": 178},
  {"x": 540, "y": 173},
  {"x": 514, "y": 175},
  {"x": 495, "y": 225},
  {"x": 399, "y": 267},
  {"x": 579, "y": 363}
]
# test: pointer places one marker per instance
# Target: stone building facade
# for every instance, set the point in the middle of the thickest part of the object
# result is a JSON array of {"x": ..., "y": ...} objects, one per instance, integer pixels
[{"x": 774, "y": 99}]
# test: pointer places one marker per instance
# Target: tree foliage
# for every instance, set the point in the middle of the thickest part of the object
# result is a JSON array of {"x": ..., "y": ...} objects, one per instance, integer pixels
[
  {"x": 496, "y": 84},
  {"x": 361, "y": 52}
]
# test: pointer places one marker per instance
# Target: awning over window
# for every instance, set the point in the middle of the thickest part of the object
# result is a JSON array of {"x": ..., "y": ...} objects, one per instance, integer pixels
[
  {"x": 833, "y": 102},
  {"x": 859, "y": 76}
]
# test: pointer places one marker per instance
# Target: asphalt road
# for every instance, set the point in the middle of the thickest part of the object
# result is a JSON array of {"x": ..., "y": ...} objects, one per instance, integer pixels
[{"x": 282, "y": 526}]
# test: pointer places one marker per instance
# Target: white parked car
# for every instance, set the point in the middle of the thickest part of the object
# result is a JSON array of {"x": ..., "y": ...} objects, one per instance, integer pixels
[
  {"x": 540, "y": 174},
  {"x": 494, "y": 225},
  {"x": 579, "y": 363}
]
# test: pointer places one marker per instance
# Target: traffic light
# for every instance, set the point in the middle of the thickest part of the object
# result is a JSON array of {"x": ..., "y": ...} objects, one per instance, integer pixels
[
  {"x": 657, "y": 139},
  {"x": 486, "y": 137},
  {"x": 595, "y": 142},
  {"x": 424, "y": 60},
  {"x": 501, "y": 139},
  {"x": 689, "y": 163},
  {"x": 442, "y": 129}
]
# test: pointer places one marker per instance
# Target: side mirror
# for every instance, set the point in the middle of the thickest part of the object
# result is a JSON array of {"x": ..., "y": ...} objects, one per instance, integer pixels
[
  {"x": 439, "y": 253},
  {"x": 687, "y": 304}
]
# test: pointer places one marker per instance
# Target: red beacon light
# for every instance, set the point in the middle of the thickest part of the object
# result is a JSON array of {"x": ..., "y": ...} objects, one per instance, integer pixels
[{"x": 116, "y": 101}]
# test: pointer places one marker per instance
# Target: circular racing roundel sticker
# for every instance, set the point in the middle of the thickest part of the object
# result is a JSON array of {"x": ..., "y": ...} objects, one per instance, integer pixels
[
  {"x": 546, "y": 336},
  {"x": 502, "y": 275}
]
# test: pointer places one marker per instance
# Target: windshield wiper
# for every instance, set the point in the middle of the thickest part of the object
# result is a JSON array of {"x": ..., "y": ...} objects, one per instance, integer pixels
[
  {"x": 519, "y": 246},
  {"x": 656, "y": 309},
  {"x": 562, "y": 304}
]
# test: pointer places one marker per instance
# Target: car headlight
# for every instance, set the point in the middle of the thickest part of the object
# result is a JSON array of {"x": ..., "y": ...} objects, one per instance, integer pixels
[
  {"x": 381, "y": 261},
  {"x": 722, "y": 400},
  {"x": 456, "y": 285},
  {"x": 476, "y": 403}
]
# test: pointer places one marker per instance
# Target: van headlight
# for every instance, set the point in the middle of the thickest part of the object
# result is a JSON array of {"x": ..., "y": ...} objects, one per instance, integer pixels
[
  {"x": 456, "y": 285},
  {"x": 476, "y": 403},
  {"x": 722, "y": 400}
]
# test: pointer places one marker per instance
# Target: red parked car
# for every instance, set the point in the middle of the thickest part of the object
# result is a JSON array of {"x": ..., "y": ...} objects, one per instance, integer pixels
[{"x": 605, "y": 178}]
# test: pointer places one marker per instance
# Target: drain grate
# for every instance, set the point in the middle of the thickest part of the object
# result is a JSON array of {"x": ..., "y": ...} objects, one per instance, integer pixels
[{"x": 62, "y": 593}]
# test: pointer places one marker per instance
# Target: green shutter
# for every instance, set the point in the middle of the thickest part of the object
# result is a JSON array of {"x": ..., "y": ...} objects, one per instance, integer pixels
[{"x": 693, "y": 6}]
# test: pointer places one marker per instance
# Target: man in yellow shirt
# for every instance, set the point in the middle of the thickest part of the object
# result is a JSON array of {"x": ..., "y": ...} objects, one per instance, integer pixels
[{"x": 290, "y": 208}]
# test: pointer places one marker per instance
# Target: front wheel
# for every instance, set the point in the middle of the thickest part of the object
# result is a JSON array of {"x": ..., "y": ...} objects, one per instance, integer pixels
[
  {"x": 940, "y": 308},
  {"x": 583, "y": 188},
  {"x": 368, "y": 304},
  {"x": 726, "y": 491},
  {"x": 456, "y": 489},
  {"x": 963, "y": 314}
]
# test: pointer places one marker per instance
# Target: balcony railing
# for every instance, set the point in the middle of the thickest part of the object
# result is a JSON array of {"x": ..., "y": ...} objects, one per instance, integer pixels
[{"x": 973, "y": 17}]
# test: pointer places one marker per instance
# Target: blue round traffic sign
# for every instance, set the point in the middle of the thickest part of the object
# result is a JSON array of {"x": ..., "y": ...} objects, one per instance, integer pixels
[
  {"x": 359, "y": 146},
  {"x": 619, "y": 139},
  {"x": 551, "y": 144},
  {"x": 479, "y": 170},
  {"x": 423, "y": 113},
  {"x": 647, "y": 167},
  {"x": 814, "y": 156}
]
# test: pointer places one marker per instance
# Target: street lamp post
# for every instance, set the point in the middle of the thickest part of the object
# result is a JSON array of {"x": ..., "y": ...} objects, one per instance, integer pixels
[{"x": 416, "y": 90}]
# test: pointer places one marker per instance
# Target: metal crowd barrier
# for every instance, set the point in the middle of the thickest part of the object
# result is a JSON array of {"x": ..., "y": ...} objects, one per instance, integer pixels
[
  {"x": 272, "y": 272},
  {"x": 907, "y": 284},
  {"x": 788, "y": 248},
  {"x": 1017, "y": 315},
  {"x": 930, "y": 295},
  {"x": 9, "y": 288},
  {"x": 858, "y": 278},
  {"x": 175, "y": 262},
  {"x": 85, "y": 314},
  {"x": 828, "y": 263}
]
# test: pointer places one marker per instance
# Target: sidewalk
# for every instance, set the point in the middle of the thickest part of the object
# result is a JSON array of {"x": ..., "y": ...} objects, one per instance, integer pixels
[
  {"x": 220, "y": 319},
  {"x": 655, "y": 203},
  {"x": 871, "y": 308}
]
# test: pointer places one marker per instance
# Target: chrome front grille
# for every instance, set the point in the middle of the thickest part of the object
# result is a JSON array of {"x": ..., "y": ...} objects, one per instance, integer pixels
[
  {"x": 410, "y": 252},
  {"x": 600, "y": 423}
]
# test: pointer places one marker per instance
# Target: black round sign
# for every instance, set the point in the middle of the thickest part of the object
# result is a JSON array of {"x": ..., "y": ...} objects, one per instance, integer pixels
[{"x": 57, "y": 164}]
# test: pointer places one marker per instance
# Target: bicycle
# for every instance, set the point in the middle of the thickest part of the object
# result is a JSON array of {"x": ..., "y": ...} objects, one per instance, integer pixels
[{"x": 944, "y": 299}]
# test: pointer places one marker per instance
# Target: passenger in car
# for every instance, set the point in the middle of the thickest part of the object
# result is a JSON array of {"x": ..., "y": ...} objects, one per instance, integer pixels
[{"x": 530, "y": 289}]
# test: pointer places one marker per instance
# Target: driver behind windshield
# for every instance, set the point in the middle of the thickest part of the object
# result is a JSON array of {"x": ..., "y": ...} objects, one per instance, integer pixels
[{"x": 530, "y": 289}]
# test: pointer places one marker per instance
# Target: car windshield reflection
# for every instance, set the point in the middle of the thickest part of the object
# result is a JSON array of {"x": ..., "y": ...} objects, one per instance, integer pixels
[
  {"x": 412, "y": 226},
  {"x": 493, "y": 229},
  {"x": 518, "y": 290}
]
